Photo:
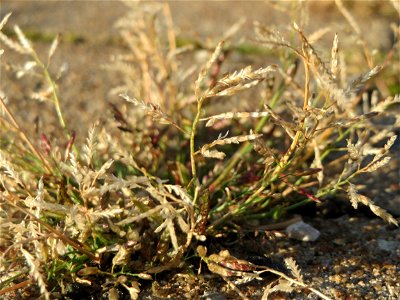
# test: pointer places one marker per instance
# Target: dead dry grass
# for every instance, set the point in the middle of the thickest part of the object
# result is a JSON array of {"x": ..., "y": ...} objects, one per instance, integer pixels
[{"x": 153, "y": 184}]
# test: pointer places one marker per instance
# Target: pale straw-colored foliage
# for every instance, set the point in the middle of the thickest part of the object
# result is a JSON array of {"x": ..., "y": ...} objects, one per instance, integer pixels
[{"x": 145, "y": 186}]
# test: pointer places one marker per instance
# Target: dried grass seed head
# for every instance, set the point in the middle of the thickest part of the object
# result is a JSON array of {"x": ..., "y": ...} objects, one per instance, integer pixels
[
  {"x": 206, "y": 69},
  {"x": 239, "y": 80}
]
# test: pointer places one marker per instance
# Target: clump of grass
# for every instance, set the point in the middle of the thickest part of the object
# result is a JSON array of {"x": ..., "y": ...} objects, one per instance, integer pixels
[{"x": 150, "y": 184}]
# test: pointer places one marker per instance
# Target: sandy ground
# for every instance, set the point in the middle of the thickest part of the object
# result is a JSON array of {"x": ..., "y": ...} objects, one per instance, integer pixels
[{"x": 86, "y": 86}]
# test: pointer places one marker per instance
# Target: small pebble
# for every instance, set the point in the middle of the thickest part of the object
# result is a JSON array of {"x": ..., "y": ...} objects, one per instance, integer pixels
[
  {"x": 389, "y": 246},
  {"x": 303, "y": 232},
  {"x": 339, "y": 242}
]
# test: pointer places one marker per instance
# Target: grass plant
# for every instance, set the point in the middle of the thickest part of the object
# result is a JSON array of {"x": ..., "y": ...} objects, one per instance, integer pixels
[{"x": 151, "y": 185}]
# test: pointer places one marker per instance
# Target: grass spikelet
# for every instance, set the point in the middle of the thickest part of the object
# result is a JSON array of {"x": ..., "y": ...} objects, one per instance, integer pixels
[
  {"x": 110, "y": 212},
  {"x": 386, "y": 148},
  {"x": 178, "y": 190},
  {"x": 206, "y": 69},
  {"x": 382, "y": 105},
  {"x": 75, "y": 168},
  {"x": 23, "y": 40},
  {"x": 12, "y": 45},
  {"x": 359, "y": 82},
  {"x": 35, "y": 272},
  {"x": 88, "y": 150},
  {"x": 375, "y": 165},
  {"x": 113, "y": 183},
  {"x": 10, "y": 171},
  {"x": 377, "y": 162},
  {"x": 40, "y": 195},
  {"x": 355, "y": 151},
  {"x": 353, "y": 195},
  {"x": 356, "y": 198},
  {"x": 154, "y": 111},
  {"x": 287, "y": 284},
  {"x": 53, "y": 48},
  {"x": 212, "y": 153},
  {"x": 311, "y": 55},
  {"x": 233, "y": 83},
  {"x": 4, "y": 20},
  {"x": 283, "y": 286},
  {"x": 233, "y": 115},
  {"x": 334, "y": 57},
  {"x": 46, "y": 206},
  {"x": 270, "y": 36},
  {"x": 151, "y": 109},
  {"x": 294, "y": 268},
  {"x": 382, "y": 213},
  {"x": 102, "y": 170},
  {"x": 337, "y": 94},
  {"x": 226, "y": 141}
]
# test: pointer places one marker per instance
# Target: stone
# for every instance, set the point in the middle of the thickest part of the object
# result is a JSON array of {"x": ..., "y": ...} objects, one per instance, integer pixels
[
  {"x": 302, "y": 231},
  {"x": 389, "y": 246}
]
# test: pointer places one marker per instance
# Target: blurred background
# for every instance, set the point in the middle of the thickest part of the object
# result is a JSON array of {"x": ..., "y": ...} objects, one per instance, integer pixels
[{"x": 90, "y": 39}]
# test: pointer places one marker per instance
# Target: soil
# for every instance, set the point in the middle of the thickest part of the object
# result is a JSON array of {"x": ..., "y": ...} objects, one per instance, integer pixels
[{"x": 357, "y": 256}]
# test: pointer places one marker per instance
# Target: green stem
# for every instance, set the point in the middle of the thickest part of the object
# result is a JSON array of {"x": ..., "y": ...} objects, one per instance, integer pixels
[
  {"x": 53, "y": 89},
  {"x": 246, "y": 148},
  {"x": 56, "y": 100},
  {"x": 285, "y": 161},
  {"x": 192, "y": 137},
  {"x": 298, "y": 204}
]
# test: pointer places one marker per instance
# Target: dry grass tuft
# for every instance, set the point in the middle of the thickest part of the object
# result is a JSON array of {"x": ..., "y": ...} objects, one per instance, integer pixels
[{"x": 139, "y": 195}]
